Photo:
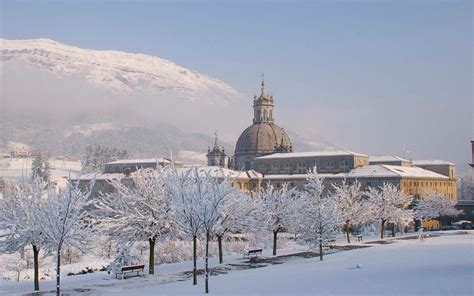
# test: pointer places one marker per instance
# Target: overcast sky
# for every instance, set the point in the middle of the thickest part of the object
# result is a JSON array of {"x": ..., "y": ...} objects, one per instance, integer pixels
[{"x": 371, "y": 76}]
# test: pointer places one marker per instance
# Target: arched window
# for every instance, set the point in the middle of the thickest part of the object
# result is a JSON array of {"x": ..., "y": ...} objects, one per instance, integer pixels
[{"x": 265, "y": 115}]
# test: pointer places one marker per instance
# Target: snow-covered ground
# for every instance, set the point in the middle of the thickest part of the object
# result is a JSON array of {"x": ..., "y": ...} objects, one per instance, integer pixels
[
  {"x": 17, "y": 168},
  {"x": 439, "y": 266}
]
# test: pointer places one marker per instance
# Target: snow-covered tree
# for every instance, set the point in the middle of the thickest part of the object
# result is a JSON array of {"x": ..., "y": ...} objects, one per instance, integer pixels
[
  {"x": 124, "y": 258},
  {"x": 40, "y": 168},
  {"x": 218, "y": 199},
  {"x": 200, "y": 202},
  {"x": 137, "y": 212},
  {"x": 243, "y": 217},
  {"x": 317, "y": 217},
  {"x": 388, "y": 204},
  {"x": 17, "y": 265},
  {"x": 185, "y": 205},
  {"x": 63, "y": 221},
  {"x": 278, "y": 207},
  {"x": 435, "y": 205},
  {"x": 96, "y": 156},
  {"x": 19, "y": 227},
  {"x": 350, "y": 205}
]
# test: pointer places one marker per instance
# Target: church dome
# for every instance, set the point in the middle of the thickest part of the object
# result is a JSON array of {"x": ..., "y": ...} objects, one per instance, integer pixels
[{"x": 262, "y": 138}]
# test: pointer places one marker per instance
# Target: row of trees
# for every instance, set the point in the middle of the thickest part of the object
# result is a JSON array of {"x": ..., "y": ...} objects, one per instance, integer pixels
[
  {"x": 44, "y": 218},
  {"x": 194, "y": 204},
  {"x": 96, "y": 156}
]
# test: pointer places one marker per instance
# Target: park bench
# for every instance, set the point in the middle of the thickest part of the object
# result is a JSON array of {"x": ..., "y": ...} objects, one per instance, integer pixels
[
  {"x": 359, "y": 238},
  {"x": 331, "y": 243},
  {"x": 130, "y": 269},
  {"x": 254, "y": 252}
]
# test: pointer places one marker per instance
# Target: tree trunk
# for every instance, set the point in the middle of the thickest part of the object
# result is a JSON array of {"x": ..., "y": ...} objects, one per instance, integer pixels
[
  {"x": 219, "y": 243},
  {"x": 36, "y": 266},
  {"x": 275, "y": 233},
  {"x": 382, "y": 230},
  {"x": 151, "y": 259},
  {"x": 195, "y": 260},
  {"x": 58, "y": 271},
  {"x": 347, "y": 233},
  {"x": 320, "y": 251},
  {"x": 393, "y": 230},
  {"x": 207, "y": 263}
]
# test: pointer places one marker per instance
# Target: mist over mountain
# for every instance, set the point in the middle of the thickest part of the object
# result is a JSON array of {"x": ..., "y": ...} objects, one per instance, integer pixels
[{"x": 60, "y": 98}]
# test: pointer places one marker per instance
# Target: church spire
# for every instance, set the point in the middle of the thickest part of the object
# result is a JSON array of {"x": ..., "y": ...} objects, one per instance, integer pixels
[
  {"x": 263, "y": 93},
  {"x": 215, "y": 140}
]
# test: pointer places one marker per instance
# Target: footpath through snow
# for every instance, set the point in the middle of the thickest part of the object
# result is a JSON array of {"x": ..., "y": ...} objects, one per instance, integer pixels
[{"x": 442, "y": 265}]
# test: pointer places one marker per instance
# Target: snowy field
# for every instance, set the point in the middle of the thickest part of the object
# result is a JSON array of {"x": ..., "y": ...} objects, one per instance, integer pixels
[
  {"x": 18, "y": 168},
  {"x": 439, "y": 266}
]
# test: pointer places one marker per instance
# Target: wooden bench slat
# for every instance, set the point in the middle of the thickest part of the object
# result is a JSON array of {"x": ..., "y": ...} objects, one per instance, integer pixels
[
  {"x": 132, "y": 267},
  {"x": 129, "y": 269},
  {"x": 250, "y": 252}
]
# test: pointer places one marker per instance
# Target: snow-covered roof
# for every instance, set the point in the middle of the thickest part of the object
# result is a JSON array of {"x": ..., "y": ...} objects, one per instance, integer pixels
[
  {"x": 370, "y": 171},
  {"x": 138, "y": 161},
  {"x": 101, "y": 176},
  {"x": 310, "y": 154},
  {"x": 386, "y": 158},
  {"x": 385, "y": 170},
  {"x": 215, "y": 171},
  {"x": 432, "y": 162},
  {"x": 220, "y": 172}
]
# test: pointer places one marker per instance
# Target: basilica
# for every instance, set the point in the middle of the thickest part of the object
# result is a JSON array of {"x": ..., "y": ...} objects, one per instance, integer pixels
[
  {"x": 265, "y": 150},
  {"x": 264, "y": 156},
  {"x": 262, "y": 138}
]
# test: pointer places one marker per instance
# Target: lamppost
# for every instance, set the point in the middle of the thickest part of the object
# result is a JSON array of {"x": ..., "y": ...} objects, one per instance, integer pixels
[{"x": 320, "y": 241}]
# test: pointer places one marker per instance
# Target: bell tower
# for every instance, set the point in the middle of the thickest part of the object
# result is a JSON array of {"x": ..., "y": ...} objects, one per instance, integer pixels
[
  {"x": 216, "y": 155},
  {"x": 263, "y": 106}
]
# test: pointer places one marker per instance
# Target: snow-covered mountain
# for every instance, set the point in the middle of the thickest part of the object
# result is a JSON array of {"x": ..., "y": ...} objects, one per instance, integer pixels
[
  {"x": 118, "y": 72},
  {"x": 59, "y": 98}
]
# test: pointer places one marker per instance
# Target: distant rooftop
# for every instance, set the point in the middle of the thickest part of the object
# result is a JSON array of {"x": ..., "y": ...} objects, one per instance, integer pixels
[
  {"x": 377, "y": 170},
  {"x": 432, "y": 162},
  {"x": 215, "y": 171},
  {"x": 310, "y": 154},
  {"x": 386, "y": 158},
  {"x": 138, "y": 161},
  {"x": 221, "y": 172},
  {"x": 100, "y": 176}
]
